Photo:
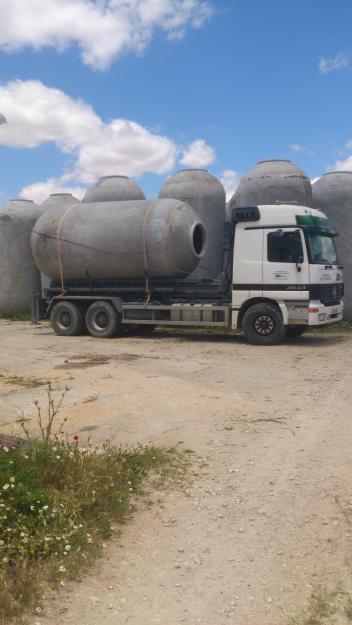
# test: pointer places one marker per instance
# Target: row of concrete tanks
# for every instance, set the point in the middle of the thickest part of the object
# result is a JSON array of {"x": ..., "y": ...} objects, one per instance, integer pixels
[
  {"x": 115, "y": 232},
  {"x": 206, "y": 195},
  {"x": 273, "y": 182},
  {"x": 332, "y": 193},
  {"x": 19, "y": 277}
]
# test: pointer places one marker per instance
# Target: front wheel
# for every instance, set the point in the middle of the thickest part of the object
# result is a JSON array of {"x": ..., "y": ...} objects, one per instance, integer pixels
[
  {"x": 102, "y": 320},
  {"x": 262, "y": 324}
]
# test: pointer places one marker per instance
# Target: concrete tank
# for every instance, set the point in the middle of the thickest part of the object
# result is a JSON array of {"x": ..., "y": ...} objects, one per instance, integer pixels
[
  {"x": 114, "y": 189},
  {"x": 59, "y": 199},
  {"x": 160, "y": 238},
  {"x": 273, "y": 182},
  {"x": 19, "y": 277},
  {"x": 206, "y": 195},
  {"x": 333, "y": 194}
]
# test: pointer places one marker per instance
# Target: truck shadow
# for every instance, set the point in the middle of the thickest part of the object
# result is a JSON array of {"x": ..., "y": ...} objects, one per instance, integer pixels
[{"x": 307, "y": 340}]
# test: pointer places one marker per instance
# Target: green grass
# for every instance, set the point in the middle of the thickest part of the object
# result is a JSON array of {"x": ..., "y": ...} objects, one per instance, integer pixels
[
  {"x": 325, "y": 606},
  {"x": 17, "y": 380},
  {"x": 59, "y": 503},
  {"x": 331, "y": 328},
  {"x": 16, "y": 317}
]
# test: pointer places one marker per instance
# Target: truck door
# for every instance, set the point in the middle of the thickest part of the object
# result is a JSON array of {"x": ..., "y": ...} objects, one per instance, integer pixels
[{"x": 285, "y": 264}]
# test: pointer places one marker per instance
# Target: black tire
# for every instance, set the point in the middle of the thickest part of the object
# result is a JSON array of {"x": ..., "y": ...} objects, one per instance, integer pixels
[
  {"x": 140, "y": 330},
  {"x": 67, "y": 319},
  {"x": 103, "y": 321},
  {"x": 294, "y": 331},
  {"x": 262, "y": 324}
]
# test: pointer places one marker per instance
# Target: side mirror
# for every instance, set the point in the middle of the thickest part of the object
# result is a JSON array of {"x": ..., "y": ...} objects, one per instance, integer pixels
[{"x": 278, "y": 234}]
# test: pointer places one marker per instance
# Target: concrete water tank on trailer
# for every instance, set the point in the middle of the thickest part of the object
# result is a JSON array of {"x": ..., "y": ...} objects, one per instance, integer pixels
[
  {"x": 114, "y": 189},
  {"x": 206, "y": 195},
  {"x": 332, "y": 193},
  {"x": 19, "y": 277},
  {"x": 273, "y": 182},
  {"x": 116, "y": 240}
]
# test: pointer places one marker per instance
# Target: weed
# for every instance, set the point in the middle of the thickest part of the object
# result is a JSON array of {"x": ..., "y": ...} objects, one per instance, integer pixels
[
  {"x": 59, "y": 502},
  {"x": 348, "y": 609},
  {"x": 17, "y": 380},
  {"x": 332, "y": 328},
  {"x": 324, "y": 605},
  {"x": 16, "y": 317},
  {"x": 91, "y": 398}
]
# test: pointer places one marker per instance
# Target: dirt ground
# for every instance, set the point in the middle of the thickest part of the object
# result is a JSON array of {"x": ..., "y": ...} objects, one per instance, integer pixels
[{"x": 269, "y": 516}]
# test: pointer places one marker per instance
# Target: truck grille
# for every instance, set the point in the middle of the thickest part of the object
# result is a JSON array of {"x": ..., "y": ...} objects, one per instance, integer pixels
[{"x": 328, "y": 294}]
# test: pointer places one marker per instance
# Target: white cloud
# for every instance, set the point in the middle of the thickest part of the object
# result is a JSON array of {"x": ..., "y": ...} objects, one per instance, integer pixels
[
  {"x": 102, "y": 29},
  {"x": 125, "y": 146},
  {"x": 340, "y": 61},
  {"x": 198, "y": 154},
  {"x": 345, "y": 161},
  {"x": 230, "y": 180},
  {"x": 36, "y": 114},
  {"x": 296, "y": 147},
  {"x": 344, "y": 165},
  {"x": 39, "y": 191},
  {"x": 301, "y": 149},
  {"x": 39, "y": 114}
]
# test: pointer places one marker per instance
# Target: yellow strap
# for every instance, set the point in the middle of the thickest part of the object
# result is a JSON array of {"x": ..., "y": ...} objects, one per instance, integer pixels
[
  {"x": 58, "y": 245},
  {"x": 145, "y": 253}
]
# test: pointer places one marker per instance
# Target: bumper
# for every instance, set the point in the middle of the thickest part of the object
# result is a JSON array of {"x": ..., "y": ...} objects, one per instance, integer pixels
[{"x": 320, "y": 314}]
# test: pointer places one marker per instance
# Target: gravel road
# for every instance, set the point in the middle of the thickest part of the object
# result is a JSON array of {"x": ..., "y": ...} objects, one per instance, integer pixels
[{"x": 269, "y": 515}]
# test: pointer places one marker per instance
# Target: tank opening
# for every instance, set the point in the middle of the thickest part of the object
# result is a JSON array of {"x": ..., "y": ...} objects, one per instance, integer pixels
[
  {"x": 331, "y": 173},
  {"x": 191, "y": 169},
  {"x": 113, "y": 176},
  {"x": 198, "y": 239},
  {"x": 21, "y": 199},
  {"x": 275, "y": 160}
]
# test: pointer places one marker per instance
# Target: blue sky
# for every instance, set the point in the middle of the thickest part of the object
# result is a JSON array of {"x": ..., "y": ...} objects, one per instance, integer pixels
[{"x": 145, "y": 87}]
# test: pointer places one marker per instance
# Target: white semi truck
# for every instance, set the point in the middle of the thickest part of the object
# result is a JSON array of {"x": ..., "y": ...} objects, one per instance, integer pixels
[{"x": 280, "y": 276}]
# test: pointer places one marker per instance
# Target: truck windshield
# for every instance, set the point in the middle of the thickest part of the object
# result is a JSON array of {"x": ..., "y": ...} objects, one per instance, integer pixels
[
  {"x": 322, "y": 248},
  {"x": 320, "y": 233}
]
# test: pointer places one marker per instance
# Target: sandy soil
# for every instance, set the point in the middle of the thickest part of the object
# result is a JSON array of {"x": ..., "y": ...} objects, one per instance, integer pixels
[{"x": 267, "y": 518}]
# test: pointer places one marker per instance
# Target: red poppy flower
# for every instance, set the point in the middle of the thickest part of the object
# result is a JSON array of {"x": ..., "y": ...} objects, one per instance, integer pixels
[{"x": 76, "y": 437}]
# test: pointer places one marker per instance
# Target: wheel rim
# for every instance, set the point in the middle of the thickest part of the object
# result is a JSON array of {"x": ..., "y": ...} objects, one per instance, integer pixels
[
  {"x": 264, "y": 325},
  {"x": 64, "y": 320},
  {"x": 100, "y": 320}
]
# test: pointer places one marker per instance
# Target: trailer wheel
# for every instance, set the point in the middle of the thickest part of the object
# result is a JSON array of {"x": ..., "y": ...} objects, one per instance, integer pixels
[
  {"x": 67, "y": 319},
  {"x": 263, "y": 325},
  {"x": 294, "y": 331},
  {"x": 102, "y": 320}
]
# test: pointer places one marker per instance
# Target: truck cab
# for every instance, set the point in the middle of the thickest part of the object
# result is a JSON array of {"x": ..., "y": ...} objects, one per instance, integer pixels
[{"x": 284, "y": 266}]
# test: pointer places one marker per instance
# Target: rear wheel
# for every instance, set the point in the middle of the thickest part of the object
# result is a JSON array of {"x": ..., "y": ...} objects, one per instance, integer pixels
[
  {"x": 67, "y": 319},
  {"x": 294, "y": 331},
  {"x": 263, "y": 325},
  {"x": 102, "y": 320}
]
